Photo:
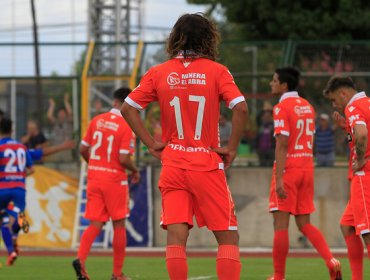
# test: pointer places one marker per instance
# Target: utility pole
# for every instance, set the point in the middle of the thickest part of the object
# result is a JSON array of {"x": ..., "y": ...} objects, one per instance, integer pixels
[{"x": 39, "y": 95}]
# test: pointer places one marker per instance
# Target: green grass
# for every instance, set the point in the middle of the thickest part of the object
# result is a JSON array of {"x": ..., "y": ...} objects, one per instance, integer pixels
[{"x": 59, "y": 268}]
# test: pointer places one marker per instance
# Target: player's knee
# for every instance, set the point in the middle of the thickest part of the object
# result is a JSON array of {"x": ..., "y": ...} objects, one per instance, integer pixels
[
  {"x": 366, "y": 238},
  {"x": 177, "y": 234},
  {"x": 347, "y": 230},
  {"x": 301, "y": 226},
  {"x": 230, "y": 237}
]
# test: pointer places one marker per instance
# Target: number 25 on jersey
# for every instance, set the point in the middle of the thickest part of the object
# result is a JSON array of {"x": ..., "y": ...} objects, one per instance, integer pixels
[{"x": 304, "y": 129}]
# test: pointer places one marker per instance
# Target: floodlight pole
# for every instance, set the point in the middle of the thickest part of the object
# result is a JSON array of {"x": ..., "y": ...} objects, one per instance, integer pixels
[{"x": 37, "y": 64}]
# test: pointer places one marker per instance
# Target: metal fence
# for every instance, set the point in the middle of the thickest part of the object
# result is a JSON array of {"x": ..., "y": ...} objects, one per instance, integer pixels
[{"x": 251, "y": 63}]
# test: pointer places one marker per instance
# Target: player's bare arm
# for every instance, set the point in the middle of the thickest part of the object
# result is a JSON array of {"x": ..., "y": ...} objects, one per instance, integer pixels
[
  {"x": 126, "y": 161},
  {"x": 239, "y": 119},
  {"x": 84, "y": 152},
  {"x": 280, "y": 157},
  {"x": 360, "y": 135},
  {"x": 132, "y": 117},
  {"x": 66, "y": 145}
]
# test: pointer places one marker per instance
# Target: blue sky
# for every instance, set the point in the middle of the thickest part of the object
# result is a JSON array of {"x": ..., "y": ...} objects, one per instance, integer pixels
[{"x": 16, "y": 26}]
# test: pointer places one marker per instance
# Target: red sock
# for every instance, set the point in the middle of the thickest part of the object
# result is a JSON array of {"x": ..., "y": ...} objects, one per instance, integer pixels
[
  {"x": 228, "y": 264},
  {"x": 87, "y": 239},
  {"x": 119, "y": 249},
  {"x": 368, "y": 250},
  {"x": 355, "y": 255},
  {"x": 280, "y": 253},
  {"x": 318, "y": 241},
  {"x": 177, "y": 266}
]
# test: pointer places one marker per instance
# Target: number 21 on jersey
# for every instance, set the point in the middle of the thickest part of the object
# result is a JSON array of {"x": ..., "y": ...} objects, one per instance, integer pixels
[
  {"x": 96, "y": 152},
  {"x": 175, "y": 102}
]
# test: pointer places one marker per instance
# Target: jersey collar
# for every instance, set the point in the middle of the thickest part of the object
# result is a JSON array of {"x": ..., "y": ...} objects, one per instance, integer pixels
[
  {"x": 6, "y": 139},
  {"x": 288, "y": 95},
  {"x": 116, "y": 112},
  {"x": 357, "y": 96},
  {"x": 189, "y": 54}
]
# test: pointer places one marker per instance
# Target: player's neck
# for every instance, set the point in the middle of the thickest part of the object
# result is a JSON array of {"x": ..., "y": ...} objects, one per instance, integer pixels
[{"x": 2, "y": 136}]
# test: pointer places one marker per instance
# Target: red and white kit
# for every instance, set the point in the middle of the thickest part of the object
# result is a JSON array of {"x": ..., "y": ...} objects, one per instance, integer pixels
[
  {"x": 294, "y": 117},
  {"x": 192, "y": 181},
  {"x": 357, "y": 211},
  {"x": 108, "y": 136}
]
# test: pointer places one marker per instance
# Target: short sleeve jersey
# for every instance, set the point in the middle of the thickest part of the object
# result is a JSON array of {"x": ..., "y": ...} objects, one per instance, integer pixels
[
  {"x": 108, "y": 136},
  {"x": 357, "y": 112},
  {"x": 189, "y": 93},
  {"x": 14, "y": 158},
  {"x": 294, "y": 117}
]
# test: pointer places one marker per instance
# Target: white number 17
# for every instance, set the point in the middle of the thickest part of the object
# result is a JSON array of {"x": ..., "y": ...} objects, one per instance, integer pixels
[{"x": 175, "y": 102}]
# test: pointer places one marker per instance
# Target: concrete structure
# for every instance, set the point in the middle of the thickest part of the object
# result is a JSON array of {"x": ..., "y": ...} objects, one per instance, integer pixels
[{"x": 250, "y": 189}]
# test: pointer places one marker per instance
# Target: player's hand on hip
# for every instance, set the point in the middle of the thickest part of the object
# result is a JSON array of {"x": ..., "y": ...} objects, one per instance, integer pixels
[
  {"x": 156, "y": 149},
  {"x": 135, "y": 177},
  {"x": 280, "y": 190},
  {"x": 357, "y": 165},
  {"x": 226, "y": 154}
]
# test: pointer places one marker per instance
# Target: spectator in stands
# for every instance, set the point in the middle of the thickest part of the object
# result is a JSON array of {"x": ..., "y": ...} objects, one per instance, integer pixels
[
  {"x": 265, "y": 141},
  {"x": 98, "y": 107},
  {"x": 1, "y": 114},
  {"x": 225, "y": 129},
  {"x": 63, "y": 123},
  {"x": 324, "y": 142},
  {"x": 34, "y": 138}
]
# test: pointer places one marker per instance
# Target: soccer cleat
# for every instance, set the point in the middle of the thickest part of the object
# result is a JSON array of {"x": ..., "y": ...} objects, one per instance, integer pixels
[
  {"x": 23, "y": 223},
  {"x": 11, "y": 259},
  {"x": 80, "y": 270},
  {"x": 273, "y": 278},
  {"x": 120, "y": 277},
  {"x": 334, "y": 269}
]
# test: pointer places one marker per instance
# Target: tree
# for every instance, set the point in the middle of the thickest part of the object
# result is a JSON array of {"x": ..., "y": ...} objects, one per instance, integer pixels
[{"x": 299, "y": 19}]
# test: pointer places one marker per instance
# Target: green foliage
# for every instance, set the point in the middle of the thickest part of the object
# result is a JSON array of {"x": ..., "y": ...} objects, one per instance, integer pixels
[{"x": 299, "y": 19}]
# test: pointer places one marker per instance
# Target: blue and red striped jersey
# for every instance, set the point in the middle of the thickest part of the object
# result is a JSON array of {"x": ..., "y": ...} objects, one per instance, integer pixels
[{"x": 14, "y": 158}]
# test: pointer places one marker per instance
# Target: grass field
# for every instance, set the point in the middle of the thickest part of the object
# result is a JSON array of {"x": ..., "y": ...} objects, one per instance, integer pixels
[{"x": 59, "y": 268}]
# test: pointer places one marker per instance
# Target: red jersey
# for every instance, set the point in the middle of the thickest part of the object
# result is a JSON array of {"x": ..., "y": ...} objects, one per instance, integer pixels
[
  {"x": 294, "y": 117},
  {"x": 108, "y": 136},
  {"x": 358, "y": 113},
  {"x": 189, "y": 95}
]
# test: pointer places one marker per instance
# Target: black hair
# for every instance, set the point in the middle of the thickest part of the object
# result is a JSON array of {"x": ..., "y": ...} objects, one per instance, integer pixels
[
  {"x": 337, "y": 82},
  {"x": 121, "y": 93},
  {"x": 6, "y": 126},
  {"x": 289, "y": 75}
]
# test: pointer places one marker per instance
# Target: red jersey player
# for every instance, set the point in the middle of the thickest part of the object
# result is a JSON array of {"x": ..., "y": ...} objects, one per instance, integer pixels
[
  {"x": 355, "y": 221},
  {"x": 189, "y": 88},
  {"x": 292, "y": 189},
  {"x": 107, "y": 148}
]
